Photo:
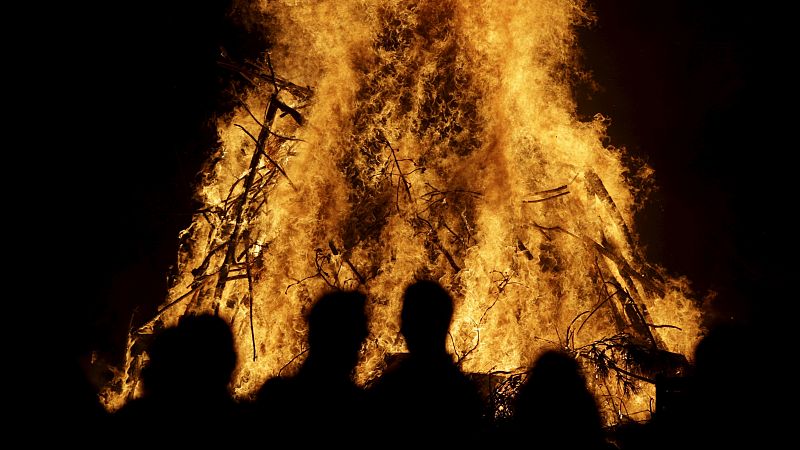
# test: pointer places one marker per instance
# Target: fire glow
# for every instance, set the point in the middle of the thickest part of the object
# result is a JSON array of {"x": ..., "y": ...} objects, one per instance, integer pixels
[{"x": 383, "y": 141}]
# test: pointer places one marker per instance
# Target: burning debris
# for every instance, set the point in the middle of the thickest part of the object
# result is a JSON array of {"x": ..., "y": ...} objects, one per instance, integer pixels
[{"x": 426, "y": 139}]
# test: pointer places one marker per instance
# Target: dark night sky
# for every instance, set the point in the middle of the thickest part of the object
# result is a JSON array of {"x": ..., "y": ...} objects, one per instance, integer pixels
[{"x": 692, "y": 89}]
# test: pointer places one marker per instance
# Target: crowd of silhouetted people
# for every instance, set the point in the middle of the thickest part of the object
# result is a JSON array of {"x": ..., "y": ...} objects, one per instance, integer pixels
[{"x": 422, "y": 399}]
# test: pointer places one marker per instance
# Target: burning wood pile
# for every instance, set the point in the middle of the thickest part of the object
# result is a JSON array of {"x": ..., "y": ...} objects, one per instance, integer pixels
[{"x": 419, "y": 139}]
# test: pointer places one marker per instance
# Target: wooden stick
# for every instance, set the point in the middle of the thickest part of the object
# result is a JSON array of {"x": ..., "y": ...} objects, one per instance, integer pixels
[
  {"x": 266, "y": 155},
  {"x": 400, "y": 173},
  {"x": 521, "y": 246},
  {"x": 292, "y": 360},
  {"x": 252, "y": 299},
  {"x": 233, "y": 240},
  {"x": 346, "y": 260},
  {"x": 548, "y": 191},
  {"x": 546, "y": 198}
]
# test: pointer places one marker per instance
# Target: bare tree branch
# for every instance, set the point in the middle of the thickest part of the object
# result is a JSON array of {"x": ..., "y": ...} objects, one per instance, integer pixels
[
  {"x": 291, "y": 361},
  {"x": 406, "y": 184}
]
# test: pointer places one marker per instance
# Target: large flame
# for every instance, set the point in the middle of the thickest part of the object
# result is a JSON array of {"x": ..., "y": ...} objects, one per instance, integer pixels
[{"x": 425, "y": 138}]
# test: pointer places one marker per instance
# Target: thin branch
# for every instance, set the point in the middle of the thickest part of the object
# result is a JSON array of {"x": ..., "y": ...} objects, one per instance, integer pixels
[
  {"x": 247, "y": 76},
  {"x": 250, "y": 72},
  {"x": 199, "y": 279},
  {"x": 266, "y": 155},
  {"x": 480, "y": 322},
  {"x": 174, "y": 302},
  {"x": 444, "y": 224},
  {"x": 611, "y": 397},
  {"x": 297, "y": 282},
  {"x": 505, "y": 280},
  {"x": 467, "y": 353},
  {"x": 549, "y": 341},
  {"x": 285, "y": 138},
  {"x": 518, "y": 371},
  {"x": 437, "y": 243},
  {"x": 601, "y": 303},
  {"x": 246, "y": 132},
  {"x": 613, "y": 366},
  {"x": 664, "y": 326},
  {"x": 466, "y": 226},
  {"x": 521, "y": 246},
  {"x": 230, "y": 197},
  {"x": 238, "y": 213},
  {"x": 549, "y": 191},
  {"x": 324, "y": 275},
  {"x": 556, "y": 228},
  {"x": 272, "y": 72},
  {"x": 435, "y": 195},
  {"x": 247, "y": 108},
  {"x": 292, "y": 360},
  {"x": 335, "y": 251},
  {"x": 446, "y": 253},
  {"x": 546, "y": 198},
  {"x": 236, "y": 277},
  {"x": 400, "y": 173},
  {"x": 558, "y": 335},
  {"x": 453, "y": 341},
  {"x": 570, "y": 334},
  {"x": 207, "y": 260},
  {"x": 320, "y": 272},
  {"x": 252, "y": 298},
  {"x": 280, "y": 136},
  {"x": 280, "y": 169},
  {"x": 192, "y": 290},
  {"x": 260, "y": 205}
]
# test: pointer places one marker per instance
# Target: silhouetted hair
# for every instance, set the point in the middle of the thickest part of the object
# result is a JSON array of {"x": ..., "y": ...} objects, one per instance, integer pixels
[
  {"x": 718, "y": 355},
  {"x": 427, "y": 313},
  {"x": 198, "y": 353},
  {"x": 555, "y": 368},
  {"x": 337, "y": 319},
  {"x": 555, "y": 408},
  {"x": 185, "y": 386}
]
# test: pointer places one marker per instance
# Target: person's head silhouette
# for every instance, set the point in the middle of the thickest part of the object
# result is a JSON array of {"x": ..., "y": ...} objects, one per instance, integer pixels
[
  {"x": 196, "y": 358},
  {"x": 554, "y": 406},
  {"x": 185, "y": 385},
  {"x": 426, "y": 316},
  {"x": 337, "y": 326}
]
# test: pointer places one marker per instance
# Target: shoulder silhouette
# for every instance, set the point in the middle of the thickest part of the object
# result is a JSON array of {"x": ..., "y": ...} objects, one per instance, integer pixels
[
  {"x": 322, "y": 402},
  {"x": 425, "y": 397}
]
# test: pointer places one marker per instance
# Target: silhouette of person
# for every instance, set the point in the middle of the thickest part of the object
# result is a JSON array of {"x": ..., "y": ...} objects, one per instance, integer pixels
[
  {"x": 425, "y": 397},
  {"x": 322, "y": 402},
  {"x": 185, "y": 397},
  {"x": 723, "y": 408},
  {"x": 555, "y": 409}
]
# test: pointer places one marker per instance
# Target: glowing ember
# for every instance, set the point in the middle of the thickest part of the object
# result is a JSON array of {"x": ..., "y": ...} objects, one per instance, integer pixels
[{"x": 434, "y": 138}]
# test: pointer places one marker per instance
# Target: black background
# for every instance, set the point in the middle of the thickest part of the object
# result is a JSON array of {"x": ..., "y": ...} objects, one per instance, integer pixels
[{"x": 698, "y": 90}]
